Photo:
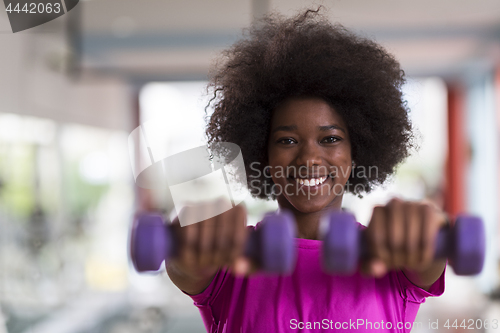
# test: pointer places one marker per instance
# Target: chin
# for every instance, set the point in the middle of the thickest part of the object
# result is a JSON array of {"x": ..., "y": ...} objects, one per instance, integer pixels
[
  {"x": 300, "y": 199},
  {"x": 312, "y": 205}
]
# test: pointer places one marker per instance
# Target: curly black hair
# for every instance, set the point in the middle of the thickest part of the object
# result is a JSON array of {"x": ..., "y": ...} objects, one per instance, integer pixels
[{"x": 306, "y": 55}]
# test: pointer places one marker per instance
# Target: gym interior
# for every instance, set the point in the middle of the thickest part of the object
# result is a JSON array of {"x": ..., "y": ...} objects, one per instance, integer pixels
[{"x": 73, "y": 90}]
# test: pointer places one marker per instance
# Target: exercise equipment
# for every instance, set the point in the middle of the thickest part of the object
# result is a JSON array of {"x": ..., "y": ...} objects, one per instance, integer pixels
[
  {"x": 463, "y": 244},
  {"x": 271, "y": 245}
]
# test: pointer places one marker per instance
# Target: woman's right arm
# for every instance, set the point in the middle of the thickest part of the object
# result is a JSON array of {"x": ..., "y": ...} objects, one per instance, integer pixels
[{"x": 206, "y": 246}]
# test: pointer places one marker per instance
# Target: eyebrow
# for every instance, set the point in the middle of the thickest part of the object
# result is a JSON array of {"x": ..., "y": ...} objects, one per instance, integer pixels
[{"x": 294, "y": 127}]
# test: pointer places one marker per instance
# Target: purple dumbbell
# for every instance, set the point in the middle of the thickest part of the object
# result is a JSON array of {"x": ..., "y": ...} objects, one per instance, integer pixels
[
  {"x": 271, "y": 244},
  {"x": 463, "y": 244}
]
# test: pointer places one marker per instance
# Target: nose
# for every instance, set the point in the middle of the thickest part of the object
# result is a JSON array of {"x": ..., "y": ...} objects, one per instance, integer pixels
[{"x": 309, "y": 154}]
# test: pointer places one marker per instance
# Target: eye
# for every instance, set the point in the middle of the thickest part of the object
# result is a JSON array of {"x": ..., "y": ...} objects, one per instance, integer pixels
[
  {"x": 287, "y": 141},
  {"x": 331, "y": 139}
]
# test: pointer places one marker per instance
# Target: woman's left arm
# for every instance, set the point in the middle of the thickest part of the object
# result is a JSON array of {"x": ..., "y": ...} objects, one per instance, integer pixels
[{"x": 402, "y": 235}]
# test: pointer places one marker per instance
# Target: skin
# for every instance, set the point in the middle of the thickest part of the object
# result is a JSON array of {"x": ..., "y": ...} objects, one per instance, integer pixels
[{"x": 310, "y": 137}]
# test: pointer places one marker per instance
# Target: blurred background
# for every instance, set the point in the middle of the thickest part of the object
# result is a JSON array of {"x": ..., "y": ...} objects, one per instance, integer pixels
[{"x": 73, "y": 89}]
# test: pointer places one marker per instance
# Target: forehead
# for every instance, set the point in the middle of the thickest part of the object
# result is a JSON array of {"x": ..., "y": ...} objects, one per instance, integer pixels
[{"x": 297, "y": 110}]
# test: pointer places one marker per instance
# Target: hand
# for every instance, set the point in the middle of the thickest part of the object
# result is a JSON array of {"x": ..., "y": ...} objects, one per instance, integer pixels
[
  {"x": 207, "y": 245},
  {"x": 402, "y": 235}
]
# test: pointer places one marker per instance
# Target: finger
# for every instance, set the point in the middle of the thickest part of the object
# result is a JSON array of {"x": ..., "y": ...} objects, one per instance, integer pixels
[
  {"x": 240, "y": 234},
  {"x": 396, "y": 233},
  {"x": 413, "y": 235},
  {"x": 223, "y": 237},
  {"x": 207, "y": 235},
  {"x": 243, "y": 267},
  {"x": 429, "y": 233},
  {"x": 376, "y": 237},
  {"x": 375, "y": 267},
  {"x": 188, "y": 236}
]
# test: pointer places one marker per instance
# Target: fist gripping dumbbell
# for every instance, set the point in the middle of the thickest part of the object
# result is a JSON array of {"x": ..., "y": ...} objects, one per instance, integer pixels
[
  {"x": 463, "y": 244},
  {"x": 271, "y": 245}
]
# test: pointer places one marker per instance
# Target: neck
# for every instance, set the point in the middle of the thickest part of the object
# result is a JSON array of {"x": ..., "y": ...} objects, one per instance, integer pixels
[{"x": 308, "y": 222}]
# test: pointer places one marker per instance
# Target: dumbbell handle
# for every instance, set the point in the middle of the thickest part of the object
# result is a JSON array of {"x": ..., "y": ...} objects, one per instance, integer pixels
[
  {"x": 444, "y": 243},
  {"x": 443, "y": 249}
]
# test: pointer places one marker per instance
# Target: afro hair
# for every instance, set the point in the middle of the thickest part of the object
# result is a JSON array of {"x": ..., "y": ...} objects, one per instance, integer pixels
[{"x": 306, "y": 55}]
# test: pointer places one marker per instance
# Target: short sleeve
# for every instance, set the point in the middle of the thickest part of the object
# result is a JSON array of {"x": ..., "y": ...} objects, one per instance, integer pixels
[
  {"x": 211, "y": 291},
  {"x": 414, "y": 293}
]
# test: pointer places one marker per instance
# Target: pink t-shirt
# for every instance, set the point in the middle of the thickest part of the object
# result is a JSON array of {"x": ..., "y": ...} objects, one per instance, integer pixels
[{"x": 310, "y": 300}]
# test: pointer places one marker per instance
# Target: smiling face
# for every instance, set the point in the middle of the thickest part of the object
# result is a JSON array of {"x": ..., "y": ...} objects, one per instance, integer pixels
[{"x": 309, "y": 154}]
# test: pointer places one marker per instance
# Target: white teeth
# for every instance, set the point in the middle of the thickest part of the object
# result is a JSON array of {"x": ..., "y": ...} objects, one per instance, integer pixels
[{"x": 311, "y": 182}]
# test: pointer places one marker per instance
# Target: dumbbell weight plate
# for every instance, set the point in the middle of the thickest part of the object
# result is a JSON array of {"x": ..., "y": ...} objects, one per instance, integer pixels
[
  {"x": 341, "y": 243},
  {"x": 277, "y": 243},
  {"x": 468, "y": 245},
  {"x": 151, "y": 242}
]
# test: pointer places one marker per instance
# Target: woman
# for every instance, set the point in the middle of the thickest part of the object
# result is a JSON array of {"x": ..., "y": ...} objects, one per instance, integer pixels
[{"x": 316, "y": 111}]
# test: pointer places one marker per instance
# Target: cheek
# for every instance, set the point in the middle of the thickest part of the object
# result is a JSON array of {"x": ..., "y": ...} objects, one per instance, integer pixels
[
  {"x": 342, "y": 159},
  {"x": 271, "y": 156},
  {"x": 277, "y": 157},
  {"x": 346, "y": 152},
  {"x": 275, "y": 162}
]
